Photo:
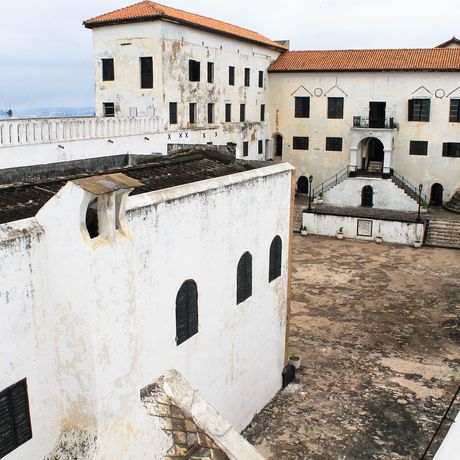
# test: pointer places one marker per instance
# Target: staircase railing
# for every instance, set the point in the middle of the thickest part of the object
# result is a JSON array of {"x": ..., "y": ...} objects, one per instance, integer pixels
[
  {"x": 331, "y": 182},
  {"x": 409, "y": 186}
]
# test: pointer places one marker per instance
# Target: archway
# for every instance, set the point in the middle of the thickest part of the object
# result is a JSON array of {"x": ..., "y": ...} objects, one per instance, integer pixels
[
  {"x": 437, "y": 191},
  {"x": 367, "y": 196},
  {"x": 302, "y": 186},
  {"x": 278, "y": 141},
  {"x": 372, "y": 154}
]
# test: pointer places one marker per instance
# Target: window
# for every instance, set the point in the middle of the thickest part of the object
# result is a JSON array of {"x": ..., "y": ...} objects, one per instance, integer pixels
[
  {"x": 108, "y": 73},
  {"x": 302, "y": 107},
  {"x": 335, "y": 107},
  {"x": 109, "y": 109},
  {"x": 210, "y": 72},
  {"x": 454, "y": 113},
  {"x": 300, "y": 143},
  {"x": 231, "y": 76},
  {"x": 245, "y": 148},
  {"x": 193, "y": 70},
  {"x": 262, "y": 112},
  {"x": 260, "y": 147},
  {"x": 419, "y": 109},
  {"x": 247, "y": 77},
  {"x": 228, "y": 113},
  {"x": 418, "y": 148},
  {"x": 334, "y": 144},
  {"x": 173, "y": 113},
  {"x": 192, "y": 112},
  {"x": 210, "y": 113},
  {"x": 261, "y": 78},
  {"x": 274, "y": 266},
  {"x": 186, "y": 311},
  {"x": 92, "y": 219},
  {"x": 146, "y": 72},
  {"x": 242, "y": 112},
  {"x": 15, "y": 427},
  {"x": 244, "y": 278},
  {"x": 451, "y": 149}
]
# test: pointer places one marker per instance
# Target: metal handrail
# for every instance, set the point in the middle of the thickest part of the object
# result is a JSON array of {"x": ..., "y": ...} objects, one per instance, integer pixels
[
  {"x": 410, "y": 186},
  {"x": 331, "y": 182}
]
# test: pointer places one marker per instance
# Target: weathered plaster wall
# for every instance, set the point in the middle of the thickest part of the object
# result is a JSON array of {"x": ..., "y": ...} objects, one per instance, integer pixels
[
  {"x": 390, "y": 231},
  {"x": 357, "y": 89},
  {"x": 110, "y": 310},
  {"x": 387, "y": 195}
]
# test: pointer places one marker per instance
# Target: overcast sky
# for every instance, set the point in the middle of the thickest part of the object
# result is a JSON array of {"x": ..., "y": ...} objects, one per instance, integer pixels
[{"x": 46, "y": 53}]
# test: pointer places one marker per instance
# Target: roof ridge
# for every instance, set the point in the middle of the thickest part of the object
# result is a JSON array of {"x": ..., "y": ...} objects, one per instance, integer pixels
[{"x": 369, "y": 49}]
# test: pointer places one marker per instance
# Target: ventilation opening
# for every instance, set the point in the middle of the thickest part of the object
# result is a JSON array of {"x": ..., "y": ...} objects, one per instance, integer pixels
[{"x": 92, "y": 220}]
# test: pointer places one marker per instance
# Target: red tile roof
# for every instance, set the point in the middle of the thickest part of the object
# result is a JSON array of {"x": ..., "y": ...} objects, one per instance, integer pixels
[
  {"x": 368, "y": 60},
  {"x": 149, "y": 11}
]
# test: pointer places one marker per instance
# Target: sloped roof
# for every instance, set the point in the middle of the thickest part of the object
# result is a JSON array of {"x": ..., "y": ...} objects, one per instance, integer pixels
[
  {"x": 453, "y": 41},
  {"x": 149, "y": 11},
  {"x": 445, "y": 59}
]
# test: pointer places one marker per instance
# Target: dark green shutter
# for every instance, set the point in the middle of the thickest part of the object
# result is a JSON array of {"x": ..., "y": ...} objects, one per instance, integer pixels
[
  {"x": 274, "y": 270},
  {"x": 244, "y": 278}
]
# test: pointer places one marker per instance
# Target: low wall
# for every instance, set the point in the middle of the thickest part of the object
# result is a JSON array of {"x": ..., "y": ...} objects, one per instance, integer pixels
[{"x": 364, "y": 228}]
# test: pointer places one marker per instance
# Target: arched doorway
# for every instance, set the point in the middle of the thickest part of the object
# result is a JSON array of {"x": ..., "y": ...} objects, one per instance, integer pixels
[
  {"x": 372, "y": 154},
  {"x": 367, "y": 196},
  {"x": 437, "y": 191},
  {"x": 278, "y": 141},
  {"x": 302, "y": 186}
]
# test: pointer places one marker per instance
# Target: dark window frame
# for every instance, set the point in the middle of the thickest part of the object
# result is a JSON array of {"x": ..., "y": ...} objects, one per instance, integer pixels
[
  {"x": 260, "y": 147},
  {"x": 335, "y": 107},
  {"x": 262, "y": 112},
  {"x": 228, "y": 113},
  {"x": 454, "y": 111},
  {"x": 210, "y": 112},
  {"x": 242, "y": 112},
  {"x": 109, "y": 109},
  {"x": 245, "y": 148},
  {"x": 419, "y": 110},
  {"x": 274, "y": 265},
  {"x": 210, "y": 72},
  {"x": 231, "y": 75},
  {"x": 334, "y": 144},
  {"x": 451, "y": 149},
  {"x": 194, "y": 70},
  {"x": 247, "y": 77},
  {"x": 244, "y": 278},
  {"x": 108, "y": 69},
  {"x": 192, "y": 113},
  {"x": 302, "y": 107},
  {"x": 15, "y": 423},
  {"x": 186, "y": 311},
  {"x": 173, "y": 113},
  {"x": 418, "y": 148},
  {"x": 261, "y": 78},
  {"x": 300, "y": 143},
  {"x": 146, "y": 71}
]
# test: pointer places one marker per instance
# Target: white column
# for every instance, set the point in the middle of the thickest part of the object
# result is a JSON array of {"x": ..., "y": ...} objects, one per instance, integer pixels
[
  {"x": 354, "y": 158},
  {"x": 387, "y": 160}
]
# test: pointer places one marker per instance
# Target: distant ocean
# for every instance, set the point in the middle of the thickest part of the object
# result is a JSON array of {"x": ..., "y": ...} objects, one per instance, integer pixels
[{"x": 49, "y": 112}]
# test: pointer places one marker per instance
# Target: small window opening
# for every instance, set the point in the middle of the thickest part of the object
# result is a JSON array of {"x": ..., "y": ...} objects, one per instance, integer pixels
[{"x": 92, "y": 220}]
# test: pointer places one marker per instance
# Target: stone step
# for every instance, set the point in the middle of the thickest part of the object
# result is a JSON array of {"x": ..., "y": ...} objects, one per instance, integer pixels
[{"x": 443, "y": 233}]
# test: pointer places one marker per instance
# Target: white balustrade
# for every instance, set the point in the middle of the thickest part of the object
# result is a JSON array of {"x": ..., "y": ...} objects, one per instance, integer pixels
[{"x": 40, "y": 130}]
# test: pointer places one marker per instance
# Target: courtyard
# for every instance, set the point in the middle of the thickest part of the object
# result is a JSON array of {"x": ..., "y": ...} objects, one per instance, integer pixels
[{"x": 377, "y": 329}]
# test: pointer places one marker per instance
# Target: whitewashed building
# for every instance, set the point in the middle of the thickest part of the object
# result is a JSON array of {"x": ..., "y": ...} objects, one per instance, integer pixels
[{"x": 103, "y": 292}]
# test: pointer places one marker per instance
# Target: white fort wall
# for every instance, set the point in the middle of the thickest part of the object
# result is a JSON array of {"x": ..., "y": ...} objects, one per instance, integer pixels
[
  {"x": 357, "y": 89},
  {"x": 98, "y": 321}
]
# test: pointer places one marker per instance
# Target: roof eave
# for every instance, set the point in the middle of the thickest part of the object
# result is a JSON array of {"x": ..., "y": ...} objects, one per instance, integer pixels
[
  {"x": 185, "y": 23},
  {"x": 359, "y": 70}
]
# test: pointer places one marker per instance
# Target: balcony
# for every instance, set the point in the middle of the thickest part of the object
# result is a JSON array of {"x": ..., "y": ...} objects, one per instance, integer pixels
[{"x": 381, "y": 123}]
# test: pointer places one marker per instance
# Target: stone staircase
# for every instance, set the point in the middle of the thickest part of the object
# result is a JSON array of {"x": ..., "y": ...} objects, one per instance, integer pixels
[
  {"x": 454, "y": 203},
  {"x": 408, "y": 191},
  {"x": 375, "y": 167},
  {"x": 298, "y": 208},
  {"x": 443, "y": 233}
]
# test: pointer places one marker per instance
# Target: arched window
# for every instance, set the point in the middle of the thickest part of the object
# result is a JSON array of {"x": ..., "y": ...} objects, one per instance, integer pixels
[
  {"x": 186, "y": 311},
  {"x": 274, "y": 268},
  {"x": 244, "y": 278},
  {"x": 367, "y": 196}
]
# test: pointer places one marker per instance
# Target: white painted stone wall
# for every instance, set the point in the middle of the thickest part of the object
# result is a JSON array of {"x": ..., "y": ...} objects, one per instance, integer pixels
[
  {"x": 357, "y": 89},
  {"x": 387, "y": 195},
  {"x": 390, "y": 231},
  {"x": 450, "y": 447},
  {"x": 97, "y": 318}
]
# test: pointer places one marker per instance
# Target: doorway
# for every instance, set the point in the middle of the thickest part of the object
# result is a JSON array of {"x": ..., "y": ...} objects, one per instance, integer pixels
[
  {"x": 436, "y": 194},
  {"x": 367, "y": 197},
  {"x": 377, "y": 114},
  {"x": 302, "y": 186},
  {"x": 278, "y": 145}
]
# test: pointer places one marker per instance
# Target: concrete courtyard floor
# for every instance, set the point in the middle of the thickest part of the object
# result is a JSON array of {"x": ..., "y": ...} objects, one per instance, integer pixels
[{"x": 378, "y": 331}]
